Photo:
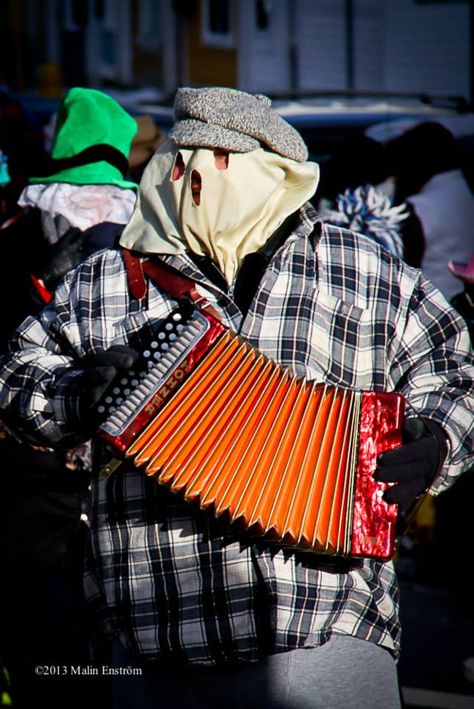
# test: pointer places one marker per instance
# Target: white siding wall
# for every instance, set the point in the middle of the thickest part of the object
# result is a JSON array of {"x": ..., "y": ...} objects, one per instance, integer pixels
[
  {"x": 427, "y": 47},
  {"x": 369, "y": 45},
  {"x": 264, "y": 54},
  {"x": 399, "y": 45},
  {"x": 320, "y": 39}
]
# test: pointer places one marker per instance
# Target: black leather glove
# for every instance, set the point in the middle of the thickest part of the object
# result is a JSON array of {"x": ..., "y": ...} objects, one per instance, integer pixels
[
  {"x": 100, "y": 368},
  {"x": 412, "y": 466}
]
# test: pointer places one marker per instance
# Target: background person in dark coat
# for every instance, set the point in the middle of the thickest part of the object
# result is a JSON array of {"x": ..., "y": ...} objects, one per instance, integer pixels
[{"x": 79, "y": 206}]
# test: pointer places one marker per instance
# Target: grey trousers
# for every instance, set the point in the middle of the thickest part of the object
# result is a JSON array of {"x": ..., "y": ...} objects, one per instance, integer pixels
[{"x": 345, "y": 673}]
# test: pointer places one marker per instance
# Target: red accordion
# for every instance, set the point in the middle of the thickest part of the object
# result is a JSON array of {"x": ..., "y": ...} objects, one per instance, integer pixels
[{"x": 224, "y": 426}]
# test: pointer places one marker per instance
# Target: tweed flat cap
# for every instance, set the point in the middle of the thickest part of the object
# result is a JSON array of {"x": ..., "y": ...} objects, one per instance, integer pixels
[{"x": 219, "y": 117}]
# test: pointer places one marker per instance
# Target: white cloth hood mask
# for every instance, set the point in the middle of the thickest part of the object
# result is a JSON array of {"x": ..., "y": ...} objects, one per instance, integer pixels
[{"x": 222, "y": 207}]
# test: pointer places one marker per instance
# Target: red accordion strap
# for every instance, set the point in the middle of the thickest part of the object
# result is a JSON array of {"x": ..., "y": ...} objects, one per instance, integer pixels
[
  {"x": 173, "y": 282},
  {"x": 166, "y": 277},
  {"x": 135, "y": 276}
]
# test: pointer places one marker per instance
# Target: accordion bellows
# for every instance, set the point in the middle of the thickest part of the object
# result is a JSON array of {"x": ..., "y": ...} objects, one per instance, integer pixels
[{"x": 226, "y": 427}]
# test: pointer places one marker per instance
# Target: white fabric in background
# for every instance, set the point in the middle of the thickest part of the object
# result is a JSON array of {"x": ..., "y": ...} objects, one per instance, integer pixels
[
  {"x": 445, "y": 208},
  {"x": 82, "y": 206}
]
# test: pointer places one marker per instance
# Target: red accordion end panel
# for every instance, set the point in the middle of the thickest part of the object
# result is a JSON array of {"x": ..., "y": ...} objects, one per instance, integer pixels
[{"x": 381, "y": 422}]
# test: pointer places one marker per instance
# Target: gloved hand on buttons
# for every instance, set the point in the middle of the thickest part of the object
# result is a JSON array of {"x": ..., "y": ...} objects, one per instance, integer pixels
[
  {"x": 100, "y": 368},
  {"x": 413, "y": 466}
]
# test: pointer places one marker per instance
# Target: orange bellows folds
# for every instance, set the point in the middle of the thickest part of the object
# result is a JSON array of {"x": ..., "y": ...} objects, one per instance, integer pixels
[{"x": 248, "y": 439}]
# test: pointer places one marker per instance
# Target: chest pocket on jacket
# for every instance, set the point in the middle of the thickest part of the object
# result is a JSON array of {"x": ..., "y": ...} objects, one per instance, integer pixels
[{"x": 343, "y": 343}]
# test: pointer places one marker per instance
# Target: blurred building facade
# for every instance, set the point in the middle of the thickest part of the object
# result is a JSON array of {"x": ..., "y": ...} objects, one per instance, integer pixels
[{"x": 275, "y": 46}]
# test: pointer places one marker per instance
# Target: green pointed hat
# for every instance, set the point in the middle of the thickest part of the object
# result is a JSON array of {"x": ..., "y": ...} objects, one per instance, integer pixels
[{"x": 91, "y": 142}]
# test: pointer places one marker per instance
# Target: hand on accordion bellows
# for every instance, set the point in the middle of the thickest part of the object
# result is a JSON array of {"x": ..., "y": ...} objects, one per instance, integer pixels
[
  {"x": 413, "y": 466},
  {"x": 100, "y": 368}
]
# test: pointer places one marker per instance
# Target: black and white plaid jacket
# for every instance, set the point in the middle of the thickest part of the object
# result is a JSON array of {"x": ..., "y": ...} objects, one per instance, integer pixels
[{"x": 331, "y": 306}]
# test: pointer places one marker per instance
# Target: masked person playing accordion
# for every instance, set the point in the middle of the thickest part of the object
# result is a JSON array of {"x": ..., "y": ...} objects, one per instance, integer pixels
[{"x": 211, "y": 612}]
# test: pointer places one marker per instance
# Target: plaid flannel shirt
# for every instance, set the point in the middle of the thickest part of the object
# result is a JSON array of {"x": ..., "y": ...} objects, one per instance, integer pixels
[{"x": 331, "y": 306}]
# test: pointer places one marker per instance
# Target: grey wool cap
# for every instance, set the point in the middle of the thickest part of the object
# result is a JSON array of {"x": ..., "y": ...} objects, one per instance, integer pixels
[{"x": 219, "y": 117}]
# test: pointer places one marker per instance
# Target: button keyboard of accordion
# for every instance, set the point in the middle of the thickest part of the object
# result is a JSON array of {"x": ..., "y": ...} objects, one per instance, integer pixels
[{"x": 152, "y": 342}]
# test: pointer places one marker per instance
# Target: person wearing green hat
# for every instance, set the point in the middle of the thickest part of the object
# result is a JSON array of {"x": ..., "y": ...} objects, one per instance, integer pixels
[
  {"x": 79, "y": 202},
  {"x": 85, "y": 183}
]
